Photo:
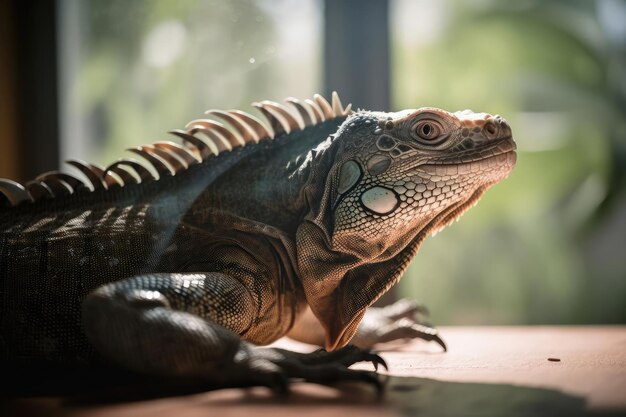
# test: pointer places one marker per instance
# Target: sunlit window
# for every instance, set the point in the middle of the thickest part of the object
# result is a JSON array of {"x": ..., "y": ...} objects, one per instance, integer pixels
[{"x": 133, "y": 70}]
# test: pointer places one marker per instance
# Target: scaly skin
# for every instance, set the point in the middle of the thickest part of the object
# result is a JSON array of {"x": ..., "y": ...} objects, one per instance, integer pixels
[{"x": 296, "y": 235}]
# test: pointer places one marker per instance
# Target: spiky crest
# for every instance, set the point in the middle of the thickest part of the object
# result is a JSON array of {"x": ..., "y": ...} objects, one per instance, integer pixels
[{"x": 202, "y": 140}]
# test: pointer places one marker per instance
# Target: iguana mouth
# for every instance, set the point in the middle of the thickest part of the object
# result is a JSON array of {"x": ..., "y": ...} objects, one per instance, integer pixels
[
  {"x": 503, "y": 146},
  {"x": 499, "y": 158},
  {"x": 503, "y": 159}
]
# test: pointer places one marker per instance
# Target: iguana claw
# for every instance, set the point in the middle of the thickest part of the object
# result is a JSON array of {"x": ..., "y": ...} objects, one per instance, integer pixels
[
  {"x": 400, "y": 320},
  {"x": 363, "y": 355},
  {"x": 435, "y": 338},
  {"x": 320, "y": 366},
  {"x": 377, "y": 360}
]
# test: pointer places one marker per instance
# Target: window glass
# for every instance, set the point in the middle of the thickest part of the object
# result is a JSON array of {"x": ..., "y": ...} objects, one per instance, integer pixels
[{"x": 131, "y": 70}]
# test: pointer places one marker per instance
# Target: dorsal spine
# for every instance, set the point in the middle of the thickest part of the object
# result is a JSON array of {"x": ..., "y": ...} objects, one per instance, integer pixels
[{"x": 202, "y": 140}]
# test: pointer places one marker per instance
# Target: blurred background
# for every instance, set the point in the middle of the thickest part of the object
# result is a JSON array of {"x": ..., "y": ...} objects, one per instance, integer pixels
[{"x": 87, "y": 79}]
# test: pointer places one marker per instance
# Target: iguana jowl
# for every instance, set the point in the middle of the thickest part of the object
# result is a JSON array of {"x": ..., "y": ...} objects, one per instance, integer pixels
[{"x": 235, "y": 237}]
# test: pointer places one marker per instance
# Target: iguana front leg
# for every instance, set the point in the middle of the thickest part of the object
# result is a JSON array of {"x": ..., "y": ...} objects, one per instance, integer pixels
[
  {"x": 400, "y": 320},
  {"x": 191, "y": 325}
]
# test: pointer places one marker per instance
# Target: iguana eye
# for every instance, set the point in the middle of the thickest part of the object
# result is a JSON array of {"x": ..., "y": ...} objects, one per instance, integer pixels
[{"x": 428, "y": 130}]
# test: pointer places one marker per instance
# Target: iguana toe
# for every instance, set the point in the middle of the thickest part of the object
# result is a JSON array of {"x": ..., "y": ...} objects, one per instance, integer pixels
[
  {"x": 346, "y": 356},
  {"x": 353, "y": 354},
  {"x": 408, "y": 329},
  {"x": 397, "y": 321},
  {"x": 323, "y": 367},
  {"x": 330, "y": 374}
]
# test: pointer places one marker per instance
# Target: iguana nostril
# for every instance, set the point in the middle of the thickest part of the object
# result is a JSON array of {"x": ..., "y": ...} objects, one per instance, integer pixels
[{"x": 503, "y": 126}]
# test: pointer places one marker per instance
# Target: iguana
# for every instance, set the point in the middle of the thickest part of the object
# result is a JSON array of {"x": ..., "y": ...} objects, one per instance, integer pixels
[{"x": 239, "y": 234}]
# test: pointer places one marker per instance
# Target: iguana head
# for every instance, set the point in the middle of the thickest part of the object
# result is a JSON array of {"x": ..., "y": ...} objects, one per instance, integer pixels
[
  {"x": 399, "y": 172},
  {"x": 395, "y": 178}
]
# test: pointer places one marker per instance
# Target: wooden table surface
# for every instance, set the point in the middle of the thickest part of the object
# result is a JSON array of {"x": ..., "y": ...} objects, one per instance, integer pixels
[{"x": 488, "y": 371}]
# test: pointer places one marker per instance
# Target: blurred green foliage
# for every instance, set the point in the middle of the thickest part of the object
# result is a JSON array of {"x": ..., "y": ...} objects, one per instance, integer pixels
[{"x": 548, "y": 244}]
